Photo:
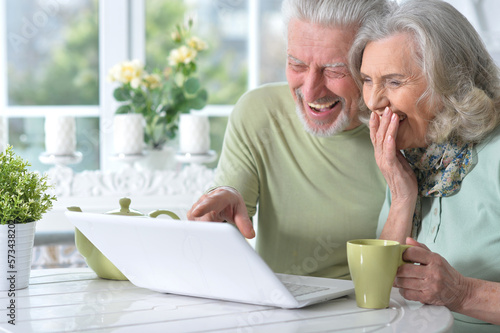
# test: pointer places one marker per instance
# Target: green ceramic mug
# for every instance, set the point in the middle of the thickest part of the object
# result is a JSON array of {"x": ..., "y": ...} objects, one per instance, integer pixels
[{"x": 373, "y": 264}]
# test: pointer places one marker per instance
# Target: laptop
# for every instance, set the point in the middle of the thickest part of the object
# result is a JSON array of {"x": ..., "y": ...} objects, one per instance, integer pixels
[{"x": 201, "y": 259}]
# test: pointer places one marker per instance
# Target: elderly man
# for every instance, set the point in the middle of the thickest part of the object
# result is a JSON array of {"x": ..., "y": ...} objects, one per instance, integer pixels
[{"x": 299, "y": 151}]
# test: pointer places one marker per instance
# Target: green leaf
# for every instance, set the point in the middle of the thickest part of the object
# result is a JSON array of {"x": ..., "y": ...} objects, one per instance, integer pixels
[
  {"x": 199, "y": 102},
  {"x": 196, "y": 103},
  {"x": 139, "y": 98},
  {"x": 177, "y": 96},
  {"x": 192, "y": 85},
  {"x": 122, "y": 94},
  {"x": 123, "y": 109},
  {"x": 162, "y": 121},
  {"x": 188, "y": 69},
  {"x": 142, "y": 109},
  {"x": 22, "y": 197},
  {"x": 183, "y": 106},
  {"x": 202, "y": 94}
]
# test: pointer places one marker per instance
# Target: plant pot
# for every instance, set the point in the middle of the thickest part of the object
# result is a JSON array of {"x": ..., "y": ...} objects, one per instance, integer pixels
[{"x": 16, "y": 251}]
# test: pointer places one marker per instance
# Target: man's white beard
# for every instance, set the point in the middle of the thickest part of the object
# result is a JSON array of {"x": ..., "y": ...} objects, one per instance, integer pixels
[{"x": 340, "y": 124}]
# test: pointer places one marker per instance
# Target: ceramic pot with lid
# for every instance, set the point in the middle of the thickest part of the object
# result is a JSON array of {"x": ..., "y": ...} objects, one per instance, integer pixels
[{"x": 94, "y": 258}]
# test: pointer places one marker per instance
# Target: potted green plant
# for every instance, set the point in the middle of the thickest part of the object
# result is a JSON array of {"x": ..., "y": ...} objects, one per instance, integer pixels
[
  {"x": 161, "y": 95},
  {"x": 23, "y": 201}
]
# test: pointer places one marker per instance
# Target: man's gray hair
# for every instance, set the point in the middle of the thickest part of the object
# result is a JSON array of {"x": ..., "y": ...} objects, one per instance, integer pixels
[
  {"x": 332, "y": 13},
  {"x": 461, "y": 74}
]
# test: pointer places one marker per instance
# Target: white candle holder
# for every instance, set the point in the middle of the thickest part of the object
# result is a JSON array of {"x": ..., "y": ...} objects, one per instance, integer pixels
[
  {"x": 194, "y": 134},
  {"x": 128, "y": 134},
  {"x": 74, "y": 158},
  {"x": 60, "y": 141},
  {"x": 60, "y": 135},
  {"x": 194, "y": 140}
]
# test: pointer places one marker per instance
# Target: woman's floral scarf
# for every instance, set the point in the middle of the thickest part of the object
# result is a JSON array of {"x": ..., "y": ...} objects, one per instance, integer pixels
[{"x": 440, "y": 169}]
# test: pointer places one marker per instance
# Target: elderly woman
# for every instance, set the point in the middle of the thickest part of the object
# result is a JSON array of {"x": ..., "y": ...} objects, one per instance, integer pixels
[{"x": 434, "y": 93}]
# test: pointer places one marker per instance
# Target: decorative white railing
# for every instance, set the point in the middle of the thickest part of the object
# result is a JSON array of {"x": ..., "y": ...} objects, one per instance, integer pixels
[
  {"x": 193, "y": 179},
  {"x": 99, "y": 191}
]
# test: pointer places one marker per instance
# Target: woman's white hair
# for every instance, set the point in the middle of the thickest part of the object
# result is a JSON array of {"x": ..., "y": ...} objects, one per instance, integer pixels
[{"x": 461, "y": 74}]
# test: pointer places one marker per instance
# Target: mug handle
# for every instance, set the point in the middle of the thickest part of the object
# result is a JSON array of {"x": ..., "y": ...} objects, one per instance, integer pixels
[
  {"x": 164, "y": 212},
  {"x": 402, "y": 249}
]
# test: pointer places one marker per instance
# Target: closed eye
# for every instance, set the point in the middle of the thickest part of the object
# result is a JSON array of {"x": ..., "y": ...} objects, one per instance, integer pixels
[
  {"x": 295, "y": 64},
  {"x": 394, "y": 83},
  {"x": 297, "y": 67},
  {"x": 335, "y": 74},
  {"x": 366, "y": 80}
]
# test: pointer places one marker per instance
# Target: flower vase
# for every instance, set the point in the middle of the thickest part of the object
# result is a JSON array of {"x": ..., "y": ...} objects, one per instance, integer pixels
[
  {"x": 159, "y": 159},
  {"x": 194, "y": 134},
  {"x": 16, "y": 250}
]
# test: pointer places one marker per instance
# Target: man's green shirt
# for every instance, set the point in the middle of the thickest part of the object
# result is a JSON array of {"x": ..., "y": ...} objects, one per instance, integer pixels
[{"x": 313, "y": 193}]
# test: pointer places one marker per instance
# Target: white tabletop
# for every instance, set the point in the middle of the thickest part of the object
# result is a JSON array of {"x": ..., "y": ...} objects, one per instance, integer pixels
[{"x": 71, "y": 300}]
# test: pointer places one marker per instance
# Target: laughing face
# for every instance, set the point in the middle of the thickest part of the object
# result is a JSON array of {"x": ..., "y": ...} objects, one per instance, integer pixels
[
  {"x": 323, "y": 89},
  {"x": 391, "y": 78}
]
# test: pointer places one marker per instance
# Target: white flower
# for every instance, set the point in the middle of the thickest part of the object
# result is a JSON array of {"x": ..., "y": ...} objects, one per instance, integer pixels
[
  {"x": 135, "y": 82},
  {"x": 152, "y": 81},
  {"x": 181, "y": 55},
  {"x": 197, "y": 44},
  {"x": 127, "y": 72}
]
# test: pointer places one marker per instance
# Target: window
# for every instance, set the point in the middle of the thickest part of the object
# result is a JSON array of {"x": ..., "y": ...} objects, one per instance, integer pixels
[
  {"x": 52, "y": 67},
  {"x": 483, "y": 14}
]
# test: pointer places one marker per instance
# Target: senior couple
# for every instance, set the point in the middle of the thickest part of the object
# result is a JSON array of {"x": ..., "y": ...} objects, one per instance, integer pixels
[{"x": 426, "y": 165}]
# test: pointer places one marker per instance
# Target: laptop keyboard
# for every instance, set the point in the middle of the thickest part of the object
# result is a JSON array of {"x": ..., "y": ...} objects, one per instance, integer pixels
[{"x": 300, "y": 289}]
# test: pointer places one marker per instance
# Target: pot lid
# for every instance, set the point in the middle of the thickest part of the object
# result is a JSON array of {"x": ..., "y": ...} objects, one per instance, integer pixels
[{"x": 125, "y": 209}]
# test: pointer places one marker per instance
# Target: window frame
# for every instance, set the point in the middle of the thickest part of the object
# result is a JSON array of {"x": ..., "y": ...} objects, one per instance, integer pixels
[
  {"x": 3, "y": 77},
  {"x": 115, "y": 16}
]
